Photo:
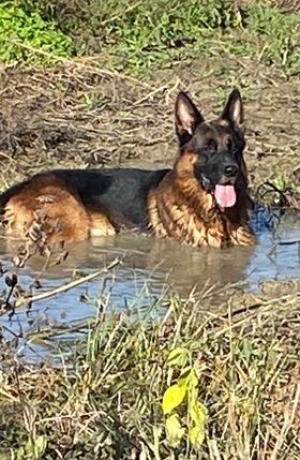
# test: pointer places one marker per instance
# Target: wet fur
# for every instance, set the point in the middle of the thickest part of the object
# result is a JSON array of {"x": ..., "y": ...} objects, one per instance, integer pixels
[
  {"x": 79, "y": 204},
  {"x": 74, "y": 205},
  {"x": 180, "y": 207},
  {"x": 177, "y": 210}
]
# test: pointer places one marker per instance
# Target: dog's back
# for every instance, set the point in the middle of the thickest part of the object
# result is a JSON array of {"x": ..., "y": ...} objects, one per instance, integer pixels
[
  {"x": 122, "y": 192},
  {"x": 79, "y": 203}
]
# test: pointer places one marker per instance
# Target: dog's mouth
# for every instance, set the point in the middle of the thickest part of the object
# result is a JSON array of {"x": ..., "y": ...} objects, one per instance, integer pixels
[{"x": 224, "y": 195}]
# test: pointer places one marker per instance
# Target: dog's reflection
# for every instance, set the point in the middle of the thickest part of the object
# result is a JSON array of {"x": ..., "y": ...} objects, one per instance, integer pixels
[{"x": 157, "y": 261}]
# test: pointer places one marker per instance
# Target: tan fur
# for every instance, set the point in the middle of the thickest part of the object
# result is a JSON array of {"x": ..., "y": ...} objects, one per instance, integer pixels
[
  {"x": 181, "y": 210},
  {"x": 64, "y": 216}
]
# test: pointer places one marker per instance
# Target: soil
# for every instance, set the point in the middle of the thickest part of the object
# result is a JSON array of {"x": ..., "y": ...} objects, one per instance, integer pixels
[{"x": 78, "y": 114}]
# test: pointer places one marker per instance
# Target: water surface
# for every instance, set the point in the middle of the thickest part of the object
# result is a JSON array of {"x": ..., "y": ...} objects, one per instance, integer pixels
[{"x": 150, "y": 268}]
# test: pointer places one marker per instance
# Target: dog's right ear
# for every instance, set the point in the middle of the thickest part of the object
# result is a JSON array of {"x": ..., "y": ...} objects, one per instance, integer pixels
[{"x": 187, "y": 117}]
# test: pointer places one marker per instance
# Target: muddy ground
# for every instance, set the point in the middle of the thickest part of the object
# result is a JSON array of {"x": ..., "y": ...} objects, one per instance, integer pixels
[{"x": 80, "y": 115}]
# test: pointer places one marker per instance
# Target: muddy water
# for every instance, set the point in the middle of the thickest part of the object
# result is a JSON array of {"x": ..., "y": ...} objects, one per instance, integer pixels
[{"x": 149, "y": 267}]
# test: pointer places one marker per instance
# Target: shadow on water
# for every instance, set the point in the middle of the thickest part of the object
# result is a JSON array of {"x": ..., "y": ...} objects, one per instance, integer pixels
[{"x": 149, "y": 267}]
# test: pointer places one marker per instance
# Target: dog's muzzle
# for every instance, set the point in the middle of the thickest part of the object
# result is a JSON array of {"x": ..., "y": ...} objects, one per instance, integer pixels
[{"x": 220, "y": 182}]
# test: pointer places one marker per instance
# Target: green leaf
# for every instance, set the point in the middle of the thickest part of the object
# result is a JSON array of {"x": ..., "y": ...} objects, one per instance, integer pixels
[
  {"x": 21, "y": 453},
  {"x": 172, "y": 398},
  {"x": 40, "y": 444},
  {"x": 198, "y": 414},
  {"x": 185, "y": 373},
  {"x": 192, "y": 380},
  {"x": 183, "y": 382},
  {"x": 247, "y": 349},
  {"x": 174, "y": 430},
  {"x": 177, "y": 357},
  {"x": 196, "y": 436}
]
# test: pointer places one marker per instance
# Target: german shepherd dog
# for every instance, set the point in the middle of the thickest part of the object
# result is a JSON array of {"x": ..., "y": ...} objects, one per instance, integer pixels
[{"x": 202, "y": 200}]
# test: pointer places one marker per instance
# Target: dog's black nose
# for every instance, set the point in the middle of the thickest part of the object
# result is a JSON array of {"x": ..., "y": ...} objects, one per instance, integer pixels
[{"x": 230, "y": 170}]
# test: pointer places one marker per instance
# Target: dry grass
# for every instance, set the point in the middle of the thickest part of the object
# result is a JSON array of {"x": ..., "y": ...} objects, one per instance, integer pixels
[
  {"x": 105, "y": 398},
  {"x": 287, "y": 5}
]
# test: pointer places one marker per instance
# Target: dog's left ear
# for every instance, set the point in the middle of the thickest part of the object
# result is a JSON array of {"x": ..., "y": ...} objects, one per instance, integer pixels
[{"x": 233, "y": 110}]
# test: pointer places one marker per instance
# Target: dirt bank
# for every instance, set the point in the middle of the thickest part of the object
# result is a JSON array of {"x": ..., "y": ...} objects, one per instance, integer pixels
[{"x": 80, "y": 115}]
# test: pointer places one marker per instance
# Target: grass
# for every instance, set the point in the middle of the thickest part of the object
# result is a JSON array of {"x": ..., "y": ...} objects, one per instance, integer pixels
[
  {"x": 105, "y": 398},
  {"x": 23, "y": 30},
  {"x": 138, "y": 37}
]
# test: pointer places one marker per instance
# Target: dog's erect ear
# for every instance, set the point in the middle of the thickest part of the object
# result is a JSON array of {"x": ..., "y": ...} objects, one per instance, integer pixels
[
  {"x": 187, "y": 116},
  {"x": 233, "y": 110}
]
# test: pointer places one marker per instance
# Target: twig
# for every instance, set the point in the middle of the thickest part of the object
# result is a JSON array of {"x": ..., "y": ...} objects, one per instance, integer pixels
[
  {"x": 65, "y": 287},
  {"x": 149, "y": 95}
]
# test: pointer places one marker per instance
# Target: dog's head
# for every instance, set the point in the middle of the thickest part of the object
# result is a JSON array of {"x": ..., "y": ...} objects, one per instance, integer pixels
[{"x": 212, "y": 152}]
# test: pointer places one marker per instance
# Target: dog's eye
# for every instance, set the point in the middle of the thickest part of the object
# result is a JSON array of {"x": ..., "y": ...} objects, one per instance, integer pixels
[
  {"x": 210, "y": 147},
  {"x": 231, "y": 145}
]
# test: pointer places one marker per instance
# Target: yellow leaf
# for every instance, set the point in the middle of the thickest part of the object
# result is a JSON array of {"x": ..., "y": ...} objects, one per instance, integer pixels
[
  {"x": 198, "y": 414},
  {"x": 174, "y": 430},
  {"x": 196, "y": 436},
  {"x": 40, "y": 444},
  {"x": 177, "y": 357},
  {"x": 172, "y": 398}
]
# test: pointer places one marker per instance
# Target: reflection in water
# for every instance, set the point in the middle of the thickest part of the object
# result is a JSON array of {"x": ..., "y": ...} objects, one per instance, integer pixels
[
  {"x": 147, "y": 265},
  {"x": 159, "y": 260}
]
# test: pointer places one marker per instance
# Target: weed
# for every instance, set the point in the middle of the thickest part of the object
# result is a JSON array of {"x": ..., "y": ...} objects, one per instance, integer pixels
[
  {"x": 278, "y": 34},
  {"x": 94, "y": 101},
  {"x": 139, "y": 36},
  {"x": 24, "y": 35},
  {"x": 184, "y": 390}
]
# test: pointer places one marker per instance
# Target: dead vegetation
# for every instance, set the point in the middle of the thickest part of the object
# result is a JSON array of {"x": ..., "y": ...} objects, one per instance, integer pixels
[{"x": 81, "y": 115}]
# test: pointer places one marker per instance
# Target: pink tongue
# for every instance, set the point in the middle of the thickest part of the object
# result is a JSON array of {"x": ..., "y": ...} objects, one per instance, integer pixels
[{"x": 225, "y": 195}]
